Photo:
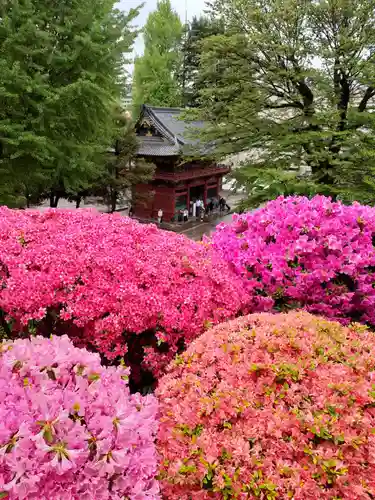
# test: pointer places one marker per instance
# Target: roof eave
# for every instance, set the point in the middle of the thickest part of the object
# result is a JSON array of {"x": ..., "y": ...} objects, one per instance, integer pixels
[{"x": 160, "y": 125}]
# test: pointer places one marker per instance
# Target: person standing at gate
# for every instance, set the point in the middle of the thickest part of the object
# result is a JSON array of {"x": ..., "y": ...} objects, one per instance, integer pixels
[
  {"x": 186, "y": 215},
  {"x": 223, "y": 205},
  {"x": 194, "y": 208},
  {"x": 199, "y": 206},
  {"x": 202, "y": 212},
  {"x": 160, "y": 216}
]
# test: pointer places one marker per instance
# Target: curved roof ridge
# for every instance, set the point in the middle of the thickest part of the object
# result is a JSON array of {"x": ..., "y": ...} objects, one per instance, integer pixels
[
  {"x": 163, "y": 108},
  {"x": 152, "y": 112}
]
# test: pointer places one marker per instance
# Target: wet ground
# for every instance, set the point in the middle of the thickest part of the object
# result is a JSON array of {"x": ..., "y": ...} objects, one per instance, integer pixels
[
  {"x": 192, "y": 229},
  {"x": 67, "y": 205},
  {"x": 196, "y": 231}
]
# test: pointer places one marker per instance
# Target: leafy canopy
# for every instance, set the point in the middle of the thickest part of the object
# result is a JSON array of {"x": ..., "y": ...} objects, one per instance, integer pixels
[
  {"x": 123, "y": 168},
  {"x": 200, "y": 28},
  {"x": 155, "y": 80},
  {"x": 61, "y": 68},
  {"x": 291, "y": 82}
]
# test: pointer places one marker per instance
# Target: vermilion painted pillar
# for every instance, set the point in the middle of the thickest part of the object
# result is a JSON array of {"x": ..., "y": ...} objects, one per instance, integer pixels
[{"x": 188, "y": 196}]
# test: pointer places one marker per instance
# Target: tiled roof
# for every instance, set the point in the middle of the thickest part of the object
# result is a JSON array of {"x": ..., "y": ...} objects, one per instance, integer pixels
[
  {"x": 169, "y": 119},
  {"x": 176, "y": 133},
  {"x": 160, "y": 148}
]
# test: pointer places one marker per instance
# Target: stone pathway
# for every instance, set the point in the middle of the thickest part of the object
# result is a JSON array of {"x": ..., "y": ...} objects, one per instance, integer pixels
[
  {"x": 192, "y": 229},
  {"x": 197, "y": 230}
]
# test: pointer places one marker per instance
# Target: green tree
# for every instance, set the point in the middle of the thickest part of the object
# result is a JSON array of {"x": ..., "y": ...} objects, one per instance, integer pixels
[
  {"x": 61, "y": 69},
  {"x": 155, "y": 79},
  {"x": 293, "y": 82},
  {"x": 197, "y": 30},
  {"x": 123, "y": 168}
]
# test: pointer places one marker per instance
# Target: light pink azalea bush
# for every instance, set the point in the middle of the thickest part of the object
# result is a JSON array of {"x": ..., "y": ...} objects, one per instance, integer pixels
[
  {"x": 271, "y": 406},
  {"x": 111, "y": 284},
  {"x": 69, "y": 428},
  {"x": 315, "y": 254}
]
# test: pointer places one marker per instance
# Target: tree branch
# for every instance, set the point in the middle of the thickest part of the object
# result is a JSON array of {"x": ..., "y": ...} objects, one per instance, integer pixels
[
  {"x": 302, "y": 87},
  {"x": 294, "y": 104},
  {"x": 307, "y": 95},
  {"x": 342, "y": 91},
  {"x": 370, "y": 92}
]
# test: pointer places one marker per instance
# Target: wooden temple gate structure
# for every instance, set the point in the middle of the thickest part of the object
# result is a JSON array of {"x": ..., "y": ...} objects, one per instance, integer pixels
[{"x": 177, "y": 182}]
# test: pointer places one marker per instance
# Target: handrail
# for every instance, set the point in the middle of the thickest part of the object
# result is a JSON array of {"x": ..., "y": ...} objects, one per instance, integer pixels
[{"x": 191, "y": 173}]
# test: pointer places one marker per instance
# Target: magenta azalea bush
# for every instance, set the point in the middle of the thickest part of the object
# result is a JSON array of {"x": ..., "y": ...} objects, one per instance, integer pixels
[
  {"x": 271, "y": 407},
  {"x": 314, "y": 254},
  {"x": 112, "y": 284},
  {"x": 69, "y": 428}
]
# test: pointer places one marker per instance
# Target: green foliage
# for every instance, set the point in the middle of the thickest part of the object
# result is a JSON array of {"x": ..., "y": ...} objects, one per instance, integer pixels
[
  {"x": 262, "y": 186},
  {"x": 123, "y": 169},
  {"x": 155, "y": 80},
  {"x": 292, "y": 82},
  {"x": 61, "y": 68},
  {"x": 200, "y": 28}
]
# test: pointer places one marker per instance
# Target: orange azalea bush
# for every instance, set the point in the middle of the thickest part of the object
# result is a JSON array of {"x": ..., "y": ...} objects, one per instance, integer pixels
[{"x": 271, "y": 406}]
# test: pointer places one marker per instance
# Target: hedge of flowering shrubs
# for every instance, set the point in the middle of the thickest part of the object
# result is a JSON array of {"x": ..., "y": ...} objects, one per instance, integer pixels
[
  {"x": 69, "y": 428},
  {"x": 266, "y": 406},
  {"x": 271, "y": 406},
  {"x": 314, "y": 254},
  {"x": 111, "y": 284}
]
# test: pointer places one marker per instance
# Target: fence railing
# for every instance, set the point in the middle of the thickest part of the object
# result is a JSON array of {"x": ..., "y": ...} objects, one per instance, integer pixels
[{"x": 192, "y": 173}]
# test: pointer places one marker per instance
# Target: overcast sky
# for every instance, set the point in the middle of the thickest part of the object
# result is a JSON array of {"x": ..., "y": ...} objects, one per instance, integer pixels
[{"x": 193, "y": 8}]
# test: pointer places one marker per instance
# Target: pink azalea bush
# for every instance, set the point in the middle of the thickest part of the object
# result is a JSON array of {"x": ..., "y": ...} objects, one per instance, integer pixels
[
  {"x": 315, "y": 254},
  {"x": 271, "y": 406},
  {"x": 112, "y": 284},
  {"x": 69, "y": 428}
]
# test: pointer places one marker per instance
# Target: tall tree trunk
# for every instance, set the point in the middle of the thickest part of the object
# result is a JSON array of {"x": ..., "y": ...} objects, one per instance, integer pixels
[
  {"x": 113, "y": 200},
  {"x": 53, "y": 200},
  {"x": 326, "y": 178},
  {"x": 78, "y": 201},
  {"x": 5, "y": 331}
]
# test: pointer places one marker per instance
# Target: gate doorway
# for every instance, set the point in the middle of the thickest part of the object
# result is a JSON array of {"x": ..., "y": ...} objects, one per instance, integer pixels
[{"x": 196, "y": 193}]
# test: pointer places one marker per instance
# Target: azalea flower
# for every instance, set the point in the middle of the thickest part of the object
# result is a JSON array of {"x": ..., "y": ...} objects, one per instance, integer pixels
[
  {"x": 297, "y": 252},
  {"x": 110, "y": 283},
  {"x": 57, "y": 433},
  {"x": 285, "y": 411}
]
